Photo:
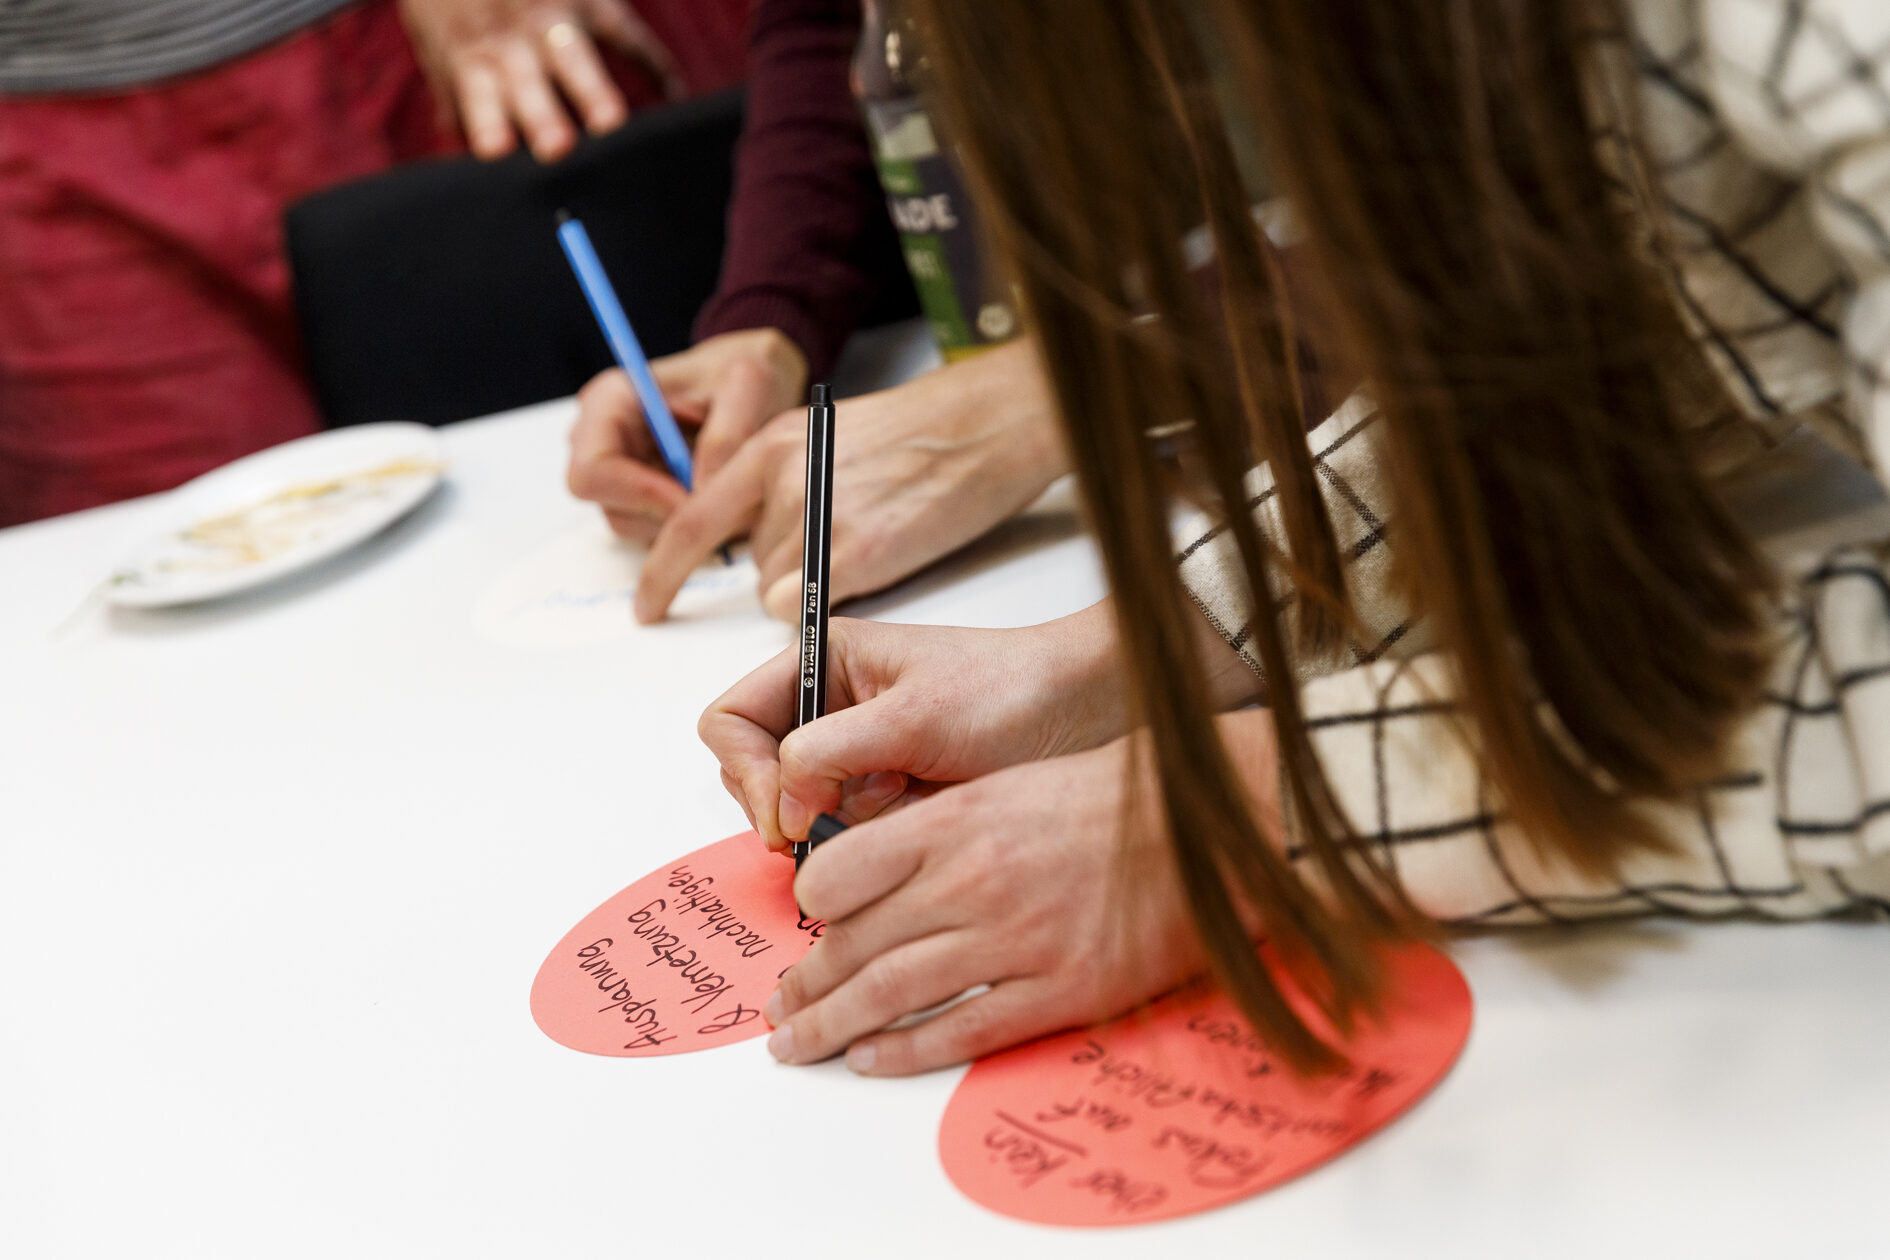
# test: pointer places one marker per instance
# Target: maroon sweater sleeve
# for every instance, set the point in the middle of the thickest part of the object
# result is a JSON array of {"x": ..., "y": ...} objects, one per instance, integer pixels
[{"x": 806, "y": 202}]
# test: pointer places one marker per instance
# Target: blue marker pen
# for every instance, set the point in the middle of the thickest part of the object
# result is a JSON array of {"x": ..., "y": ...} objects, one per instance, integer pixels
[{"x": 624, "y": 346}]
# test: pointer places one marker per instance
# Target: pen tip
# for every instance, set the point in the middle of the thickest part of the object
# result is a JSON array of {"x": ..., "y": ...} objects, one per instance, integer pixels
[
  {"x": 823, "y": 395},
  {"x": 564, "y": 216}
]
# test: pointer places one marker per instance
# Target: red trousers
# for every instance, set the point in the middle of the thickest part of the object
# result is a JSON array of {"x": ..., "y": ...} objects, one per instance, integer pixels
[{"x": 146, "y": 329}]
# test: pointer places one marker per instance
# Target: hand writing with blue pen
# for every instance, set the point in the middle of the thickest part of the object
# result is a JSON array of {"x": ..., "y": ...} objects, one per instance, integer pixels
[{"x": 721, "y": 391}]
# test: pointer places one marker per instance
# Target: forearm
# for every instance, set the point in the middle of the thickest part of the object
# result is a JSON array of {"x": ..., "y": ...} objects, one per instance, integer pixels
[
  {"x": 806, "y": 209},
  {"x": 1088, "y": 702},
  {"x": 1007, "y": 396}
]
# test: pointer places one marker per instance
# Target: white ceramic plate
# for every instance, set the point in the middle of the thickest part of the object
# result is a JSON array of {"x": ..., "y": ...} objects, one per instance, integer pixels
[{"x": 276, "y": 512}]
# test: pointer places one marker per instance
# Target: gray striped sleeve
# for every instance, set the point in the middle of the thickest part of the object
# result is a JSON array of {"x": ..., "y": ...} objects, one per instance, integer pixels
[{"x": 51, "y": 46}]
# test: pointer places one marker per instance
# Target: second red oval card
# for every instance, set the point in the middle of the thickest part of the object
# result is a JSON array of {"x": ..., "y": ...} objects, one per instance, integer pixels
[
  {"x": 1180, "y": 1107},
  {"x": 681, "y": 960}
]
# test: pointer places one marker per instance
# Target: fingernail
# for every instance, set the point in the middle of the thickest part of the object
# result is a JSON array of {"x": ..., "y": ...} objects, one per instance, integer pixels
[
  {"x": 771, "y": 1009},
  {"x": 781, "y": 1044},
  {"x": 860, "y": 1058},
  {"x": 794, "y": 817},
  {"x": 883, "y": 785}
]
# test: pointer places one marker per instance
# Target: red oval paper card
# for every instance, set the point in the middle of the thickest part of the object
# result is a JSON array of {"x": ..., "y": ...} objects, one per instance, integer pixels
[
  {"x": 1180, "y": 1107},
  {"x": 681, "y": 960}
]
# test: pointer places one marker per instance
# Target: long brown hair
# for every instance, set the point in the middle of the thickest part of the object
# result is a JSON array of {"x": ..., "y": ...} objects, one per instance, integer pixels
[{"x": 1535, "y": 385}]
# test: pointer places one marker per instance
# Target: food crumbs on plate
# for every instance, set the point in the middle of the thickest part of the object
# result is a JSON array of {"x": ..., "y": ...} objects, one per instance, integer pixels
[{"x": 285, "y": 521}]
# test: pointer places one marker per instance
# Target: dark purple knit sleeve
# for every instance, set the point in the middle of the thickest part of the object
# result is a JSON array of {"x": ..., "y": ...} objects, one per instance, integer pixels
[{"x": 807, "y": 203}]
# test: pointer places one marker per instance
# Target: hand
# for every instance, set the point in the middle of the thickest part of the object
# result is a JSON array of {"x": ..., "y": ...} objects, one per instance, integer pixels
[
  {"x": 501, "y": 65},
  {"x": 919, "y": 471},
  {"x": 914, "y": 707},
  {"x": 1050, "y": 882},
  {"x": 723, "y": 389}
]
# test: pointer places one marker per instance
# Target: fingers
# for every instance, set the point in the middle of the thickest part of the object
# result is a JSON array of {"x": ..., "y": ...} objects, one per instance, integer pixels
[
  {"x": 613, "y": 460},
  {"x": 782, "y": 597},
  {"x": 514, "y": 66},
  {"x": 719, "y": 510},
  {"x": 534, "y": 103},
  {"x": 818, "y": 759},
  {"x": 743, "y": 402},
  {"x": 743, "y": 728},
  {"x": 583, "y": 79},
  {"x": 628, "y": 488},
  {"x": 756, "y": 774},
  {"x": 633, "y": 528},
  {"x": 733, "y": 787},
  {"x": 855, "y": 571},
  {"x": 776, "y": 537},
  {"x": 775, "y": 542},
  {"x": 845, "y": 949},
  {"x": 481, "y": 97},
  {"x": 610, "y": 420},
  {"x": 859, "y": 866},
  {"x": 893, "y": 984},
  {"x": 741, "y": 451},
  {"x": 863, "y": 800},
  {"x": 1012, "y": 1012},
  {"x": 766, "y": 698}
]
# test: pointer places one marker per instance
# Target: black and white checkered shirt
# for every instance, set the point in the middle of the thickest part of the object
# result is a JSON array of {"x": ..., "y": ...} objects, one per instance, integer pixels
[{"x": 1768, "y": 125}]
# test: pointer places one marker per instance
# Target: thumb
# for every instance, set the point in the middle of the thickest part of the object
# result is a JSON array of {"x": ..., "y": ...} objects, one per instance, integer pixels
[{"x": 818, "y": 760}]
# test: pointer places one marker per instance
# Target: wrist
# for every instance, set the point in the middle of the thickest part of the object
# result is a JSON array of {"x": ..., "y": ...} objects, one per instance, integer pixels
[
  {"x": 1017, "y": 386},
  {"x": 785, "y": 360},
  {"x": 814, "y": 340},
  {"x": 1083, "y": 694}
]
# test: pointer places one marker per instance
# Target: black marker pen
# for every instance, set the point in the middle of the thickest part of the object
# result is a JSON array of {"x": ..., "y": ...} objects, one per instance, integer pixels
[
  {"x": 823, "y": 829},
  {"x": 816, "y": 549}
]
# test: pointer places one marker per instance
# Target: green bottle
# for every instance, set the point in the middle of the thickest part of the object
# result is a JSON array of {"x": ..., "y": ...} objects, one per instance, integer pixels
[{"x": 966, "y": 307}]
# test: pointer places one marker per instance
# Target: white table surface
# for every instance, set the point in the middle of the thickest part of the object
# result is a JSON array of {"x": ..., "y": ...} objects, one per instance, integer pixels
[{"x": 276, "y": 875}]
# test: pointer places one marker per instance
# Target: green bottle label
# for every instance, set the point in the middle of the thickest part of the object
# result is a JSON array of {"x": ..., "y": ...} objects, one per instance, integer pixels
[{"x": 927, "y": 202}]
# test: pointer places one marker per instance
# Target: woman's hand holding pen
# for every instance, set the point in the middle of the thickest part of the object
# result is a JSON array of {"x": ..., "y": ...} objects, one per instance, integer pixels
[
  {"x": 920, "y": 471},
  {"x": 912, "y": 707},
  {"x": 722, "y": 389},
  {"x": 1050, "y": 882}
]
